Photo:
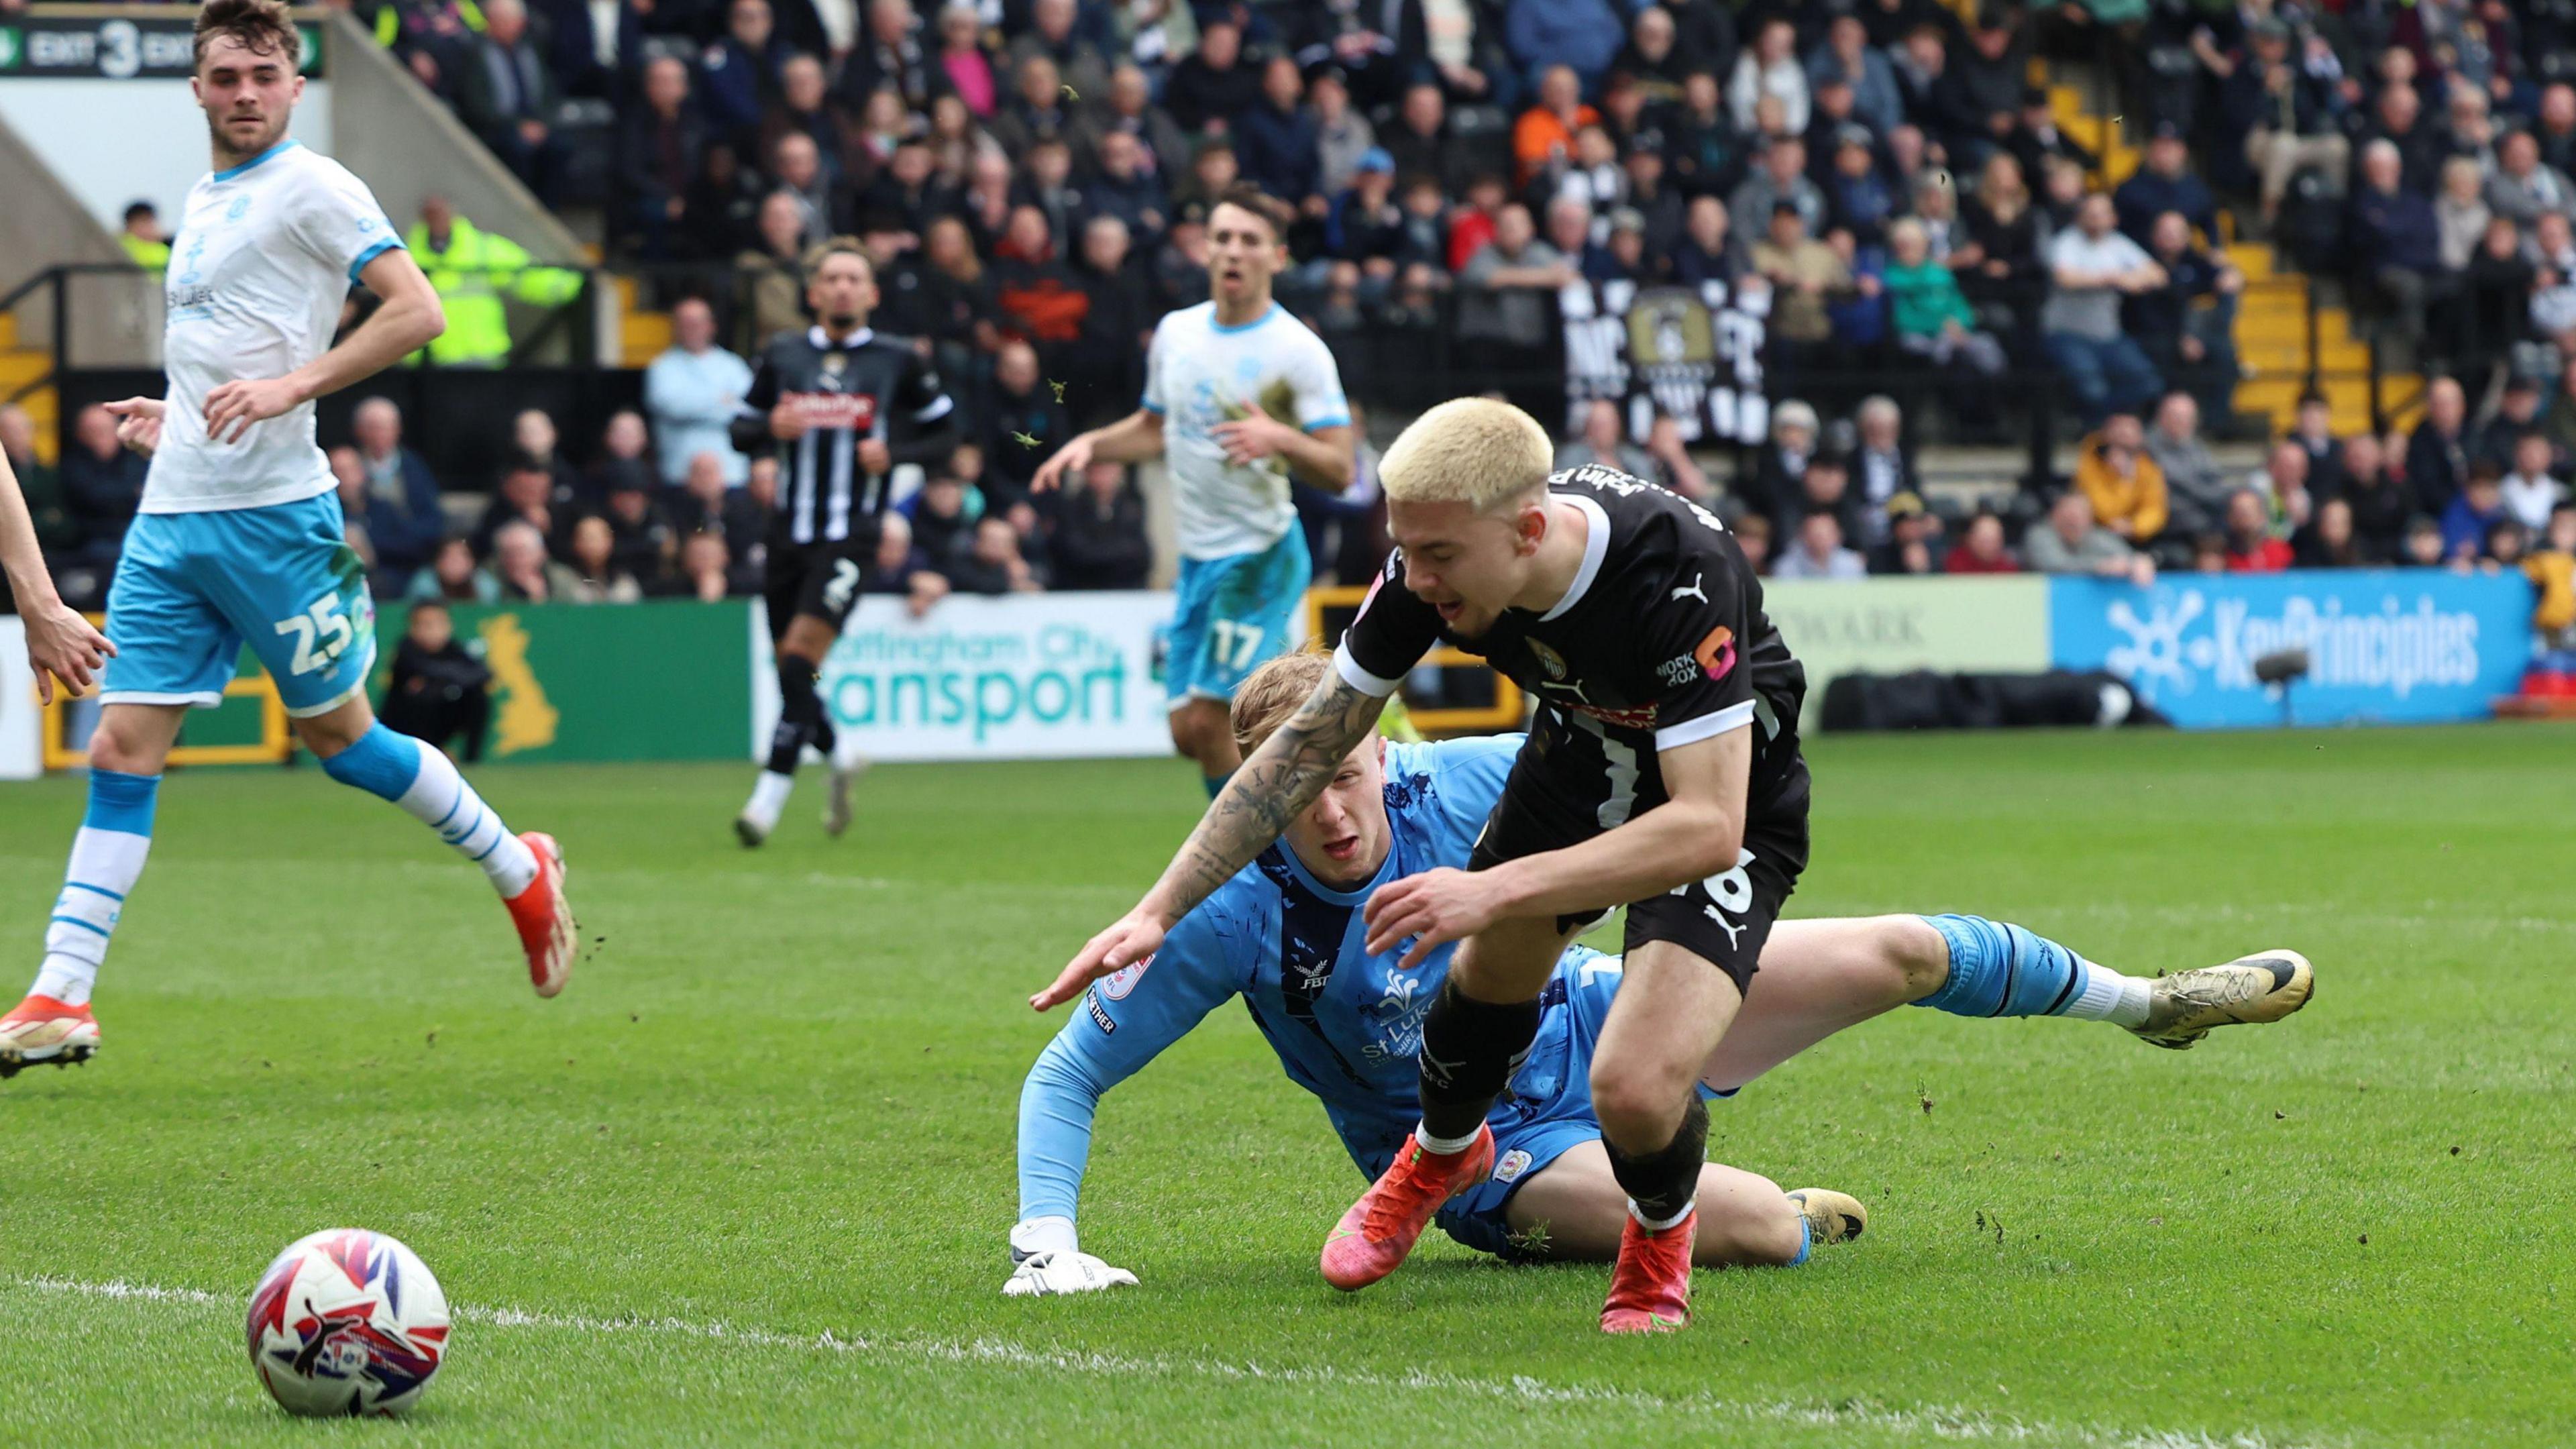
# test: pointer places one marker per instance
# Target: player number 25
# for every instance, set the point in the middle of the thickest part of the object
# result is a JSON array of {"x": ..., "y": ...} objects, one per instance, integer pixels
[
  {"x": 321, "y": 633},
  {"x": 1235, "y": 643}
]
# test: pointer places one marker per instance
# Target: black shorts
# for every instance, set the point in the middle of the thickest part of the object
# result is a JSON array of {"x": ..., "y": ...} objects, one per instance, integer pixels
[
  {"x": 822, "y": 580},
  {"x": 1549, "y": 804}
]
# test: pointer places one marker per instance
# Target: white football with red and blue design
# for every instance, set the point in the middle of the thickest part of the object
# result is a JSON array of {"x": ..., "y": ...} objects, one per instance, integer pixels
[{"x": 347, "y": 1322}]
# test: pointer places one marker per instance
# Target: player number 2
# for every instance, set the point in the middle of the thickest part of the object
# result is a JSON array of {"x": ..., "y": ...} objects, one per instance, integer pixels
[
  {"x": 321, "y": 633},
  {"x": 845, "y": 582},
  {"x": 1235, "y": 643}
]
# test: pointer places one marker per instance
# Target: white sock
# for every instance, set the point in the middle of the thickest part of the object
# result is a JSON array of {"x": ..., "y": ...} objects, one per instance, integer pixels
[
  {"x": 1652, "y": 1226},
  {"x": 104, "y": 866},
  {"x": 846, "y": 756},
  {"x": 2109, "y": 996},
  {"x": 440, "y": 799},
  {"x": 768, "y": 797},
  {"x": 1442, "y": 1146}
]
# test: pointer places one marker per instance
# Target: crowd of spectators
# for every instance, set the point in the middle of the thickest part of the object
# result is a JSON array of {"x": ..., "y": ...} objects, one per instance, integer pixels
[
  {"x": 2422, "y": 152},
  {"x": 2148, "y": 494},
  {"x": 1032, "y": 178},
  {"x": 1040, "y": 169}
]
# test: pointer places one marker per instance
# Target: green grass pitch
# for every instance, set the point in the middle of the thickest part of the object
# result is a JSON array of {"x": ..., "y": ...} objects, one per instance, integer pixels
[{"x": 748, "y": 1181}]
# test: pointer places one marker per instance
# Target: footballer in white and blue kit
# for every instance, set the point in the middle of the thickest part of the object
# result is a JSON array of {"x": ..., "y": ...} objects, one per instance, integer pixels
[
  {"x": 1244, "y": 565},
  {"x": 1238, "y": 393},
  {"x": 1346, "y": 1023},
  {"x": 239, "y": 538}
]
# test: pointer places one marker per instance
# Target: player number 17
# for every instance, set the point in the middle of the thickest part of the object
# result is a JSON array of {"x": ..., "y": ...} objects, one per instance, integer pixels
[
  {"x": 1235, "y": 643},
  {"x": 322, "y": 633}
]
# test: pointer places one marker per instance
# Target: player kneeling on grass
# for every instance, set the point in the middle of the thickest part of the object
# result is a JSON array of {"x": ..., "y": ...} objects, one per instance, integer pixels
[{"x": 1285, "y": 935}]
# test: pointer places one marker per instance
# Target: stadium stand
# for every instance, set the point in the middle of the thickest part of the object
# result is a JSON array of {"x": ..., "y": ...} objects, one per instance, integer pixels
[{"x": 2341, "y": 227}]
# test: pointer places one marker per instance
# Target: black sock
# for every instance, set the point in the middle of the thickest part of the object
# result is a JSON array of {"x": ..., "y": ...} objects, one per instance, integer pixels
[
  {"x": 800, "y": 710},
  {"x": 1470, "y": 1049},
  {"x": 1665, "y": 1181}
]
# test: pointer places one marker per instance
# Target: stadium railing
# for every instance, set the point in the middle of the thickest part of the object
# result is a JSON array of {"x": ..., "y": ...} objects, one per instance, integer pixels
[
  {"x": 103, "y": 319},
  {"x": 2029, "y": 408}
]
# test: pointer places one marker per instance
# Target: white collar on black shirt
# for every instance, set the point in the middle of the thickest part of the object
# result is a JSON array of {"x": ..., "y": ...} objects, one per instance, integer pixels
[
  {"x": 823, "y": 340},
  {"x": 1596, "y": 546}
]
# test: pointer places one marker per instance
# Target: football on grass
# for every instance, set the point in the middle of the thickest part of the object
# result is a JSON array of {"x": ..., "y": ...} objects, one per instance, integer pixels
[{"x": 347, "y": 1322}]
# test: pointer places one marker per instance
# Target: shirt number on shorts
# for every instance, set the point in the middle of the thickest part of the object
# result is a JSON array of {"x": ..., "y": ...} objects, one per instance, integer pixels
[
  {"x": 322, "y": 634},
  {"x": 1235, "y": 643},
  {"x": 1732, "y": 893},
  {"x": 845, "y": 582}
]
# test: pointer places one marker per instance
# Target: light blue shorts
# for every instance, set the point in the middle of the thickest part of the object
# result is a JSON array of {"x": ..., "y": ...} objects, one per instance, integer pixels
[
  {"x": 1547, "y": 1111},
  {"x": 192, "y": 588},
  {"x": 1232, "y": 615}
]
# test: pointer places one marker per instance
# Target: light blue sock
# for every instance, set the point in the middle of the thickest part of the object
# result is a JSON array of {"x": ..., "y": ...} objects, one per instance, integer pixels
[
  {"x": 2000, "y": 969},
  {"x": 107, "y": 858},
  {"x": 1806, "y": 1242},
  {"x": 1215, "y": 783},
  {"x": 425, "y": 783}
]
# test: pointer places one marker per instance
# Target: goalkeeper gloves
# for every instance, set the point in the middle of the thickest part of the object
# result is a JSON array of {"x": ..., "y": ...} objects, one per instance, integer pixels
[{"x": 1063, "y": 1270}]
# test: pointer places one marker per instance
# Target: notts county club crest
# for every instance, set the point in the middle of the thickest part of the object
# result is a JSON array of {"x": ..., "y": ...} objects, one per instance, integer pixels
[
  {"x": 1548, "y": 659},
  {"x": 833, "y": 363}
]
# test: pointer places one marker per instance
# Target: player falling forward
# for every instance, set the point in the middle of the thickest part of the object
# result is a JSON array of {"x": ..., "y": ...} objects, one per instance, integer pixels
[
  {"x": 1237, "y": 395},
  {"x": 1285, "y": 935},
  {"x": 829, "y": 400},
  {"x": 1662, "y": 773},
  {"x": 240, "y": 538}
]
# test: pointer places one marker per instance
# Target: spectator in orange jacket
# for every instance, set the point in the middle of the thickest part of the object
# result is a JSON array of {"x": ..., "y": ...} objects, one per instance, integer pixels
[
  {"x": 1544, "y": 136},
  {"x": 2125, "y": 486}
]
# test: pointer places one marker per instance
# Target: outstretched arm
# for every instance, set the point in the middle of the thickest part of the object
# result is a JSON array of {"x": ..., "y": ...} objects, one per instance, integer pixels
[
  {"x": 1124, "y": 1027},
  {"x": 1271, "y": 788},
  {"x": 1132, "y": 439},
  {"x": 61, "y": 645}
]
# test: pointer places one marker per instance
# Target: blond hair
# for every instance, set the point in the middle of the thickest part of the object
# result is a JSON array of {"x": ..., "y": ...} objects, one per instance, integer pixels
[
  {"x": 1265, "y": 700},
  {"x": 839, "y": 246},
  {"x": 1471, "y": 450}
]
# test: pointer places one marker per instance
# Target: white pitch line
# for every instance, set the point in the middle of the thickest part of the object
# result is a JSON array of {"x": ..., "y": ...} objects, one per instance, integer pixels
[{"x": 1936, "y": 1422}]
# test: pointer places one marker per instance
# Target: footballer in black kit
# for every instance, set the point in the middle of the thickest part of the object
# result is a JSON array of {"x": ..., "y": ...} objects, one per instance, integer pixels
[
  {"x": 867, "y": 385},
  {"x": 842, "y": 407},
  {"x": 1661, "y": 642}
]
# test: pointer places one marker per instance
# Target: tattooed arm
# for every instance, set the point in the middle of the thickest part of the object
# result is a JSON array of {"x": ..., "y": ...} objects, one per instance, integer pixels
[{"x": 1280, "y": 780}]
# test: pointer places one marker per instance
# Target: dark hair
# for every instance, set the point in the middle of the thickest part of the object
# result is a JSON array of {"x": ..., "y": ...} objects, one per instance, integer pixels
[
  {"x": 262, "y": 26},
  {"x": 141, "y": 208},
  {"x": 1273, "y": 212}
]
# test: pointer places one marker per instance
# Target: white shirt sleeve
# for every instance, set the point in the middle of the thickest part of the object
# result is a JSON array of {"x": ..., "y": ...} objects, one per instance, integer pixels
[
  {"x": 336, "y": 218},
  {"x": 1155, "y": 400},
  {"x": 1320, "y": 400}
]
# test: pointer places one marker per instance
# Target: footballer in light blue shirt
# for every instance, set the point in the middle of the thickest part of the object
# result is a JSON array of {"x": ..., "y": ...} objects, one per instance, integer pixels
[{"x": 1285, "y": 936}]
